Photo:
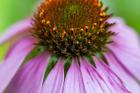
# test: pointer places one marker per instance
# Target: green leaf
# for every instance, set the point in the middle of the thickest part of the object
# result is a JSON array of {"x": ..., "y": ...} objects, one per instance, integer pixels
[{"x": 3, "y": 50}]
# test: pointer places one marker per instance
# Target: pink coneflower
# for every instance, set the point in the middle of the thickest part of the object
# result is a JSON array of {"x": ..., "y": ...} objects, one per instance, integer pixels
[{"x": 71, "y": 46}]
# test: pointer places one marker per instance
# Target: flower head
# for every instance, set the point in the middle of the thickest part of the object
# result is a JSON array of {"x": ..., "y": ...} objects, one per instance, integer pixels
[
  {"x": 72, "y": 27},
  {"x": 71, "y": 46}
]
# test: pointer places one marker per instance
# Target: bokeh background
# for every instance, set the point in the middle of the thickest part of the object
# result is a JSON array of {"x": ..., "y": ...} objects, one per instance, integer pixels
[{"x": 12, "y": 11}]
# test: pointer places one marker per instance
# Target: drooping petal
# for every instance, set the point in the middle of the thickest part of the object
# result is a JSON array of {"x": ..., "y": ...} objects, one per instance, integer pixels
[
  {"x": 130, "y": 82},
  {"x": 112, "y": 80},
  {"x": 100, "y": 79},
  {"x": 92, "y": 79},
  {"x": 130, "y": 60},
  {"x": 73, "y": 81},
  {"x": 89, "y": 82},
  {"x": 29, "y": 79},
  {"x": 10, "y": 65},
  {"x": 125, "y": 53},
  {"x": 126, "y": 36},
  {"x": 55, "y": 79},
  {"x": 16, "y": 31}
]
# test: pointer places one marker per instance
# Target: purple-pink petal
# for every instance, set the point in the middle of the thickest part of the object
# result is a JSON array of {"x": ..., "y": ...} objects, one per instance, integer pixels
[
  {"x": 112, "y": 80},
  {"x": 73, "y": 81},
  {"x": 29, "y": 79},
  {"x": 89, "y": 82},
  {"x": 126, "y": 36},
  {"x": 95, "y": 79},
  {"x": 123, "y": 73},
  {"x": 54, "y": 81},
  {"x": 100, "y": 79},
  {"x": 13, "y": 62},
  {"x": 125, "y": 54},
  {"x": 16, "y": 31},
  {"x": 130, "y": 60}
]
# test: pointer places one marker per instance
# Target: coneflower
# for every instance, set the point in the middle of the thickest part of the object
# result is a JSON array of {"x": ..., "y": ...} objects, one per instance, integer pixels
[{"x": 71, "y": 46}]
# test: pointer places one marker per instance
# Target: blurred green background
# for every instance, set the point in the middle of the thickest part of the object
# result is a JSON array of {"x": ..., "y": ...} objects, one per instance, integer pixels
[{"x": 15, "y": 10}]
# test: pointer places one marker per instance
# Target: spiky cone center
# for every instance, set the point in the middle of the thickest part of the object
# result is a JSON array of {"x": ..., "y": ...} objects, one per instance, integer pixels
[{"x": 72, "y": 27}]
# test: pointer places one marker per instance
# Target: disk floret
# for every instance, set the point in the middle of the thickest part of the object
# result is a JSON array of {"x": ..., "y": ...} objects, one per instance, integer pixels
[{"x": 72, "y": 27}]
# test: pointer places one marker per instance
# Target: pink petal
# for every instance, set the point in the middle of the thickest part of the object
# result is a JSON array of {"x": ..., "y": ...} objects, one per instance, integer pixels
[
  {"x": 55, "y": 80},
  {"x": 10, "y": 66},
  {"x": 100, "y": 79},
  {"x": 73, "y": 82},
  {"x": 89, "y": 73},
  {"x": 126, "y": 36},
  {"x": 112, "y": 80},
  {"x": 16, "y": 31},
  {"x": 118, "y": 68},
  {"x": 125, "y": 53},
  {"x": 89, "y": 83},
  {"x": 29, "y": 78},
  {"x": 129, "y": 60}
]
